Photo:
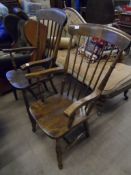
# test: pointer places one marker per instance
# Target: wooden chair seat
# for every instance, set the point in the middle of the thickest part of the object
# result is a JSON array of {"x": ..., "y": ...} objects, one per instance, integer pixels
[
  {"x": 121, "y": 75},
  {"x": 51, "y": 118}
]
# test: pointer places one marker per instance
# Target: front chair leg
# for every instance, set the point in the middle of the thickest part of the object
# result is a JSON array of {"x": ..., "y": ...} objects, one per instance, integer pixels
[
  {"x": 125, "y": 95},
  {"x": 53, "y": 86},
  {"x": 33, "y": 122},
  {"x": 59, "y": 154}
]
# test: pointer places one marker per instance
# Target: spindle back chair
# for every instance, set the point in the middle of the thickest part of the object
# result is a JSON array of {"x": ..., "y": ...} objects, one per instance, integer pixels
[{"x": 81, "y": 87}]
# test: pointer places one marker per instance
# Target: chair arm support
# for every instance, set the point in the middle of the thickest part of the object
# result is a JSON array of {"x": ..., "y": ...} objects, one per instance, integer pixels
[
  {"x": 35, "y": 63},
  {"x": 70, "y": 111},
  {"x": 19, "y": 49},
  {"x": 44, "y": 72}
]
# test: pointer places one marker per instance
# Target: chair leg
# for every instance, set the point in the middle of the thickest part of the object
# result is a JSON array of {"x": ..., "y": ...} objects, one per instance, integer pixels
[
  {"x": 45, "y": 85},
  {"x": 125, "y": 95},
  {"x": 86, "y": 126},
  {"x": 53, "y": 86},
  {"x": 33, "y": 122},
  {"x": 15, "y": 93},
  {"x": 59, "y": 154},
  {"x": 32, "y": 93}
]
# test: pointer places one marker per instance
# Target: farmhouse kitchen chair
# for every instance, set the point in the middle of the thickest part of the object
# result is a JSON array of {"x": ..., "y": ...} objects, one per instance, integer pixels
[
  {"x": 85, "y": 78},
  {"x": 44, "y": 35}
]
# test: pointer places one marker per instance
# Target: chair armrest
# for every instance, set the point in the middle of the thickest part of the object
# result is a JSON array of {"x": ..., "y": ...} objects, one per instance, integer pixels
[
  {"x": 19, "y": 49},
  {"x": 44, "y": 72},
  {"x": 35, "y": 63},
  {"x": 70, "y": 111}
]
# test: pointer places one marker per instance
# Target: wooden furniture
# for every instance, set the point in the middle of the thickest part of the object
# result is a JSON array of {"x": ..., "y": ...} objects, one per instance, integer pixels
[
  {"x": 120, "y": 80},
  {"x": 81, "y": 87},
  {"x": 45, "y": 39},
  {"x": 54, "y": 20}
]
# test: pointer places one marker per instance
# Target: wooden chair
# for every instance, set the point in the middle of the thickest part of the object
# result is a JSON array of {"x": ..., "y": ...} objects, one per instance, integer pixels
[
  {"x": 44, "y": 36},
  {"x": 82, "y": 86}
]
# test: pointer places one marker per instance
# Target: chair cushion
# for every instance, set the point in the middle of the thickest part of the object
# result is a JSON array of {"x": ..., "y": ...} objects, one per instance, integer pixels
[{"x": 119, "y": 78}]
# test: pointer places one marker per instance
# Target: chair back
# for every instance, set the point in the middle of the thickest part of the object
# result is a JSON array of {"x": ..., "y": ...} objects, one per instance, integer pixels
[
  {"x": 36, "y": 35},
  {"x": 73, "y": 18},
  {"x": 99, "y": 49},
  {"x": 54, "y": 19}
]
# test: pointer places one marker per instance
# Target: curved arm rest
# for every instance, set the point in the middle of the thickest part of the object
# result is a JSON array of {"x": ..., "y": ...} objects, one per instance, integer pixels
[
  {"x": 70, "y": 111},
  {"x": 19, "y": 49},
  {"x": 44, "y": 72},
  {"x": 35, "y": 63}
]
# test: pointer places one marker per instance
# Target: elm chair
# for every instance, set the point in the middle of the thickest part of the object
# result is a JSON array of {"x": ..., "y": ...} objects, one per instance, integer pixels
[
  {"x": 44, "y": 35},
  {"x": 83, "y": 83}
]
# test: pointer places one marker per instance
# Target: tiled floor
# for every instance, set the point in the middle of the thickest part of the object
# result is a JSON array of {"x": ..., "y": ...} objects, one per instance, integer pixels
[{"x": 106, "y": 152}]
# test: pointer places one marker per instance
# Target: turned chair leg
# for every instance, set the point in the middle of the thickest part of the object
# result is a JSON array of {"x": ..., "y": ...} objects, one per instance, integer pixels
[
  {"x": 86, "y": 126},
  {"x": 125, "y": 95},
  {"x": 53, "y": 86},
  {"x": 59, "y": 154},
  {"x": 33, "y": 122}
]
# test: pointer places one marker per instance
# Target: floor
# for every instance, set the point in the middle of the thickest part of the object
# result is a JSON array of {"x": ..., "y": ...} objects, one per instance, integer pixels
[{"x": 106, "y": 152}]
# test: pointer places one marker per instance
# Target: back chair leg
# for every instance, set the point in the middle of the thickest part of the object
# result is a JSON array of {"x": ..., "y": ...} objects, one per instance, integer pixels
[
  {"x": 86, "y": 126},
  {"x": 53, "y": 86},
  {"x": 59, "y": 154},
  {"x": 45, "y": 85},
  {"x": 33, "y": 122},
  {"x": 15, "y": 93},
  {"x": 32, "y": 93},
  {"x": 125, "y": 95}
]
